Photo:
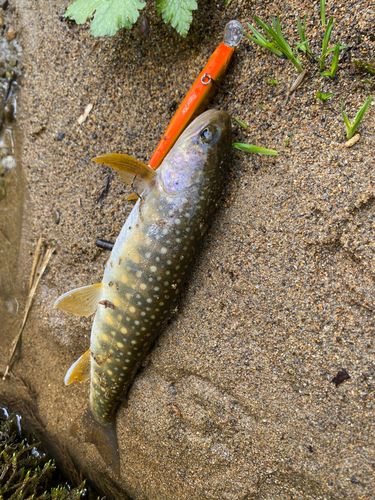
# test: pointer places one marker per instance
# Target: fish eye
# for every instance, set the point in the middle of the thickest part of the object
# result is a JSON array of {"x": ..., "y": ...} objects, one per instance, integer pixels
[{"x": 208, "y": 134}]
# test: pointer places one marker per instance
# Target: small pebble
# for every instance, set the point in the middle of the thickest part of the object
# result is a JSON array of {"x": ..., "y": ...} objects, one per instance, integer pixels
[
  {"x": 144, "y": 27},
  {"x": 8, "y": 162},
  {"x": 352, "y": 141},
  {"x": 9, "y": 112},
  {"x": 11, "y": 34}
]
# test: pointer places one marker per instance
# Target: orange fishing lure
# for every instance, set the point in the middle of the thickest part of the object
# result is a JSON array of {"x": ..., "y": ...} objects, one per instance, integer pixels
[{"x": 200, "y": 93}]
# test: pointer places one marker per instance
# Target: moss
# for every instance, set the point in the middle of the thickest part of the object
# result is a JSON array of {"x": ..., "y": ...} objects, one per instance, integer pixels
[
  {"x": 25, "y": 470},
  {"x": 365, "y": 67}
]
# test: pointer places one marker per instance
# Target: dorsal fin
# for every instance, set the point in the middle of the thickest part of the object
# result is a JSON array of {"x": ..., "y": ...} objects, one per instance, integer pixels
[
  {"x": 81, "y": 301},
  {"x": 80, "y": 370},
  {"x": 127, "y": 167}
]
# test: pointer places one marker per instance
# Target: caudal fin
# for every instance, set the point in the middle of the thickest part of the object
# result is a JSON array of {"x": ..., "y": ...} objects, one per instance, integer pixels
[{"x": 105, "y": 439}]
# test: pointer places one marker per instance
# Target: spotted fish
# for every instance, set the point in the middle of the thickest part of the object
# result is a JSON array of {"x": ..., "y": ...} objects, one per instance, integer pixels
[{"x": 147, "y": 267}]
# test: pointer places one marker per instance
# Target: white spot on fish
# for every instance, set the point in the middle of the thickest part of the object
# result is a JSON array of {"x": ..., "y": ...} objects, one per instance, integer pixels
[
  {"x": 153, "y": 269},
  {"x": 163, "y": 250},
  {"x": 177, "y": 221}
]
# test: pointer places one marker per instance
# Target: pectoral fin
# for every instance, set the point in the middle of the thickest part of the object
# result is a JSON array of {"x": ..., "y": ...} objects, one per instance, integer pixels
[
  {"x": 127, "y": 167},
  {"x": 81, "y": 301},
  {"x": 80, "y": 370}
]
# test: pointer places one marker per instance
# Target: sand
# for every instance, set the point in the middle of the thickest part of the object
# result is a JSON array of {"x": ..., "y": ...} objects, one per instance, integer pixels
[{"x": 236, "y": 399}]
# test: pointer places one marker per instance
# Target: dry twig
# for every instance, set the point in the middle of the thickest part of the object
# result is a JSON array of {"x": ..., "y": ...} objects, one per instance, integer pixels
[{"x": 39, "y": 266}]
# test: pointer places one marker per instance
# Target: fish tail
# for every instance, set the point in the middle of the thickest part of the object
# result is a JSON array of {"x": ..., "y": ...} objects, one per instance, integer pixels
[{"x": 105, "y": 440}]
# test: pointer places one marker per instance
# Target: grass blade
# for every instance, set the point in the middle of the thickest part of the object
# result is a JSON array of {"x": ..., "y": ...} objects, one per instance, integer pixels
[
  {"x": 327, "y": 36},
  {"x": 262, "y": 41},
  {"x": 242, "y": 124},
  {"x": 288, "y": 140},
  {"x": 360, "y": 114},
  {"x": 323, "y": 12},
  {"x": 324, "y": 97},
  {"x": 302, "y": 34},
  {"x": 249, "y": 148},
  {"x": 347, "y": 122},
  {"x": 335, "y": 60},
  {"x": 272, "y": 81},
  {"x": 279, "y": 40}
]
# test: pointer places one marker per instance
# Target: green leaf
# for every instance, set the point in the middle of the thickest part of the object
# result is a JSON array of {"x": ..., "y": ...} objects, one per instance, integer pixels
[
  {"x": 110, "y": 15},
  {"x": 178, "y": 13},
  {"x": 249, "y": 148}
]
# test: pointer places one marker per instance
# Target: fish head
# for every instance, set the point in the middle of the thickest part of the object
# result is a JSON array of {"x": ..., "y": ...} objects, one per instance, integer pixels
[{"x": 198, "y": 157}]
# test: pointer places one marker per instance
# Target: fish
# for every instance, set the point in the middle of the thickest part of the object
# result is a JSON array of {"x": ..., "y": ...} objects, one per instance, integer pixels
[{"x": 147, "y": 268}]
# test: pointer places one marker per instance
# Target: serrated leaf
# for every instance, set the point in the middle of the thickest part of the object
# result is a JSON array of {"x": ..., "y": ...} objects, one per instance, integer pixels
[
  {"x": 110, "y": 15},
  {"x": 178, "y": 13}
]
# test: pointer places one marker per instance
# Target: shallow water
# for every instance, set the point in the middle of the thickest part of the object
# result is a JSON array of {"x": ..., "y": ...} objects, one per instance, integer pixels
[{"x": 12, "y": 186}]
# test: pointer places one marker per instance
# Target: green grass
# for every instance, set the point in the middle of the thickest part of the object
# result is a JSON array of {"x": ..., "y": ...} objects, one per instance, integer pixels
[
  {"x": 351, "y": 128},
  {"x": 288, "y": 140},
  {"x": 276, "y": 42},
  {"x": 324, "y": 97},
  {"x": 323, "y": 12},
  {"x": 335, "y": 61},
  {"x": 249, "y": 148},
  {"x": 272, "y": 81},
  {"x": 262, "y": 41},
  {"x": 326, "y": 38},
  {"x": 302, "y": 35},
  {"x": 242, "y": 124}
]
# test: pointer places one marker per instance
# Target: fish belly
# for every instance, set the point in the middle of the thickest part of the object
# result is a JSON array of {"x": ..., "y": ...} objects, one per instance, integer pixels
[{"x": 141, "y": 283}]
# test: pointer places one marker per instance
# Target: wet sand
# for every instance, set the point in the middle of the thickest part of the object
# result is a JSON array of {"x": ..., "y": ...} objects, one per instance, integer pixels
[{"x": 236, "y": 399}]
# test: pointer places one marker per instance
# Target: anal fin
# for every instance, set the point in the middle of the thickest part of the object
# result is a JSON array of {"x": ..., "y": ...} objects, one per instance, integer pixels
[
  {"x": 81, "y": 301},
  {"x": 80, "y": 370}
]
